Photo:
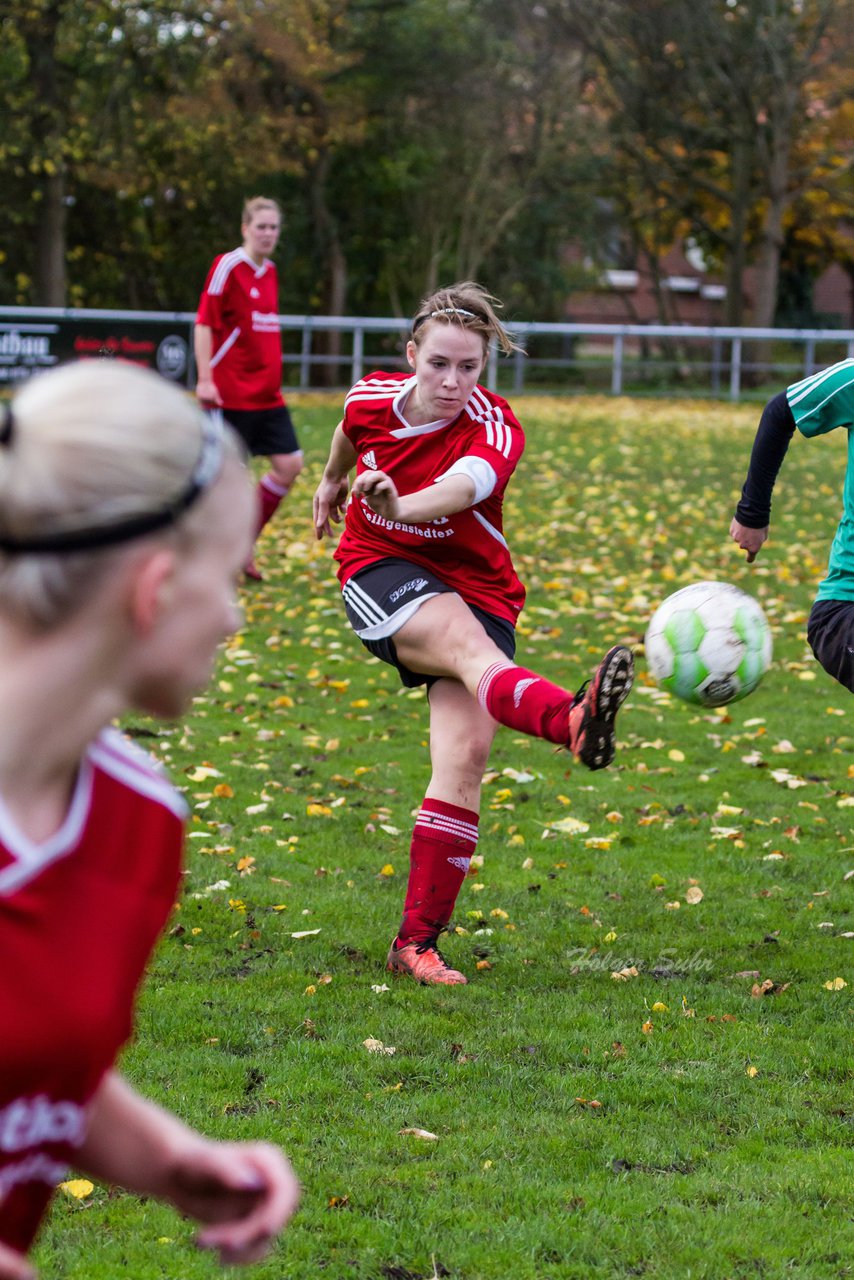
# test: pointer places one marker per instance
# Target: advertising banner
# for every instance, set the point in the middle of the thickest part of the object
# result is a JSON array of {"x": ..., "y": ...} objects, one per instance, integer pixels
[{"x": 35, "y": 343}]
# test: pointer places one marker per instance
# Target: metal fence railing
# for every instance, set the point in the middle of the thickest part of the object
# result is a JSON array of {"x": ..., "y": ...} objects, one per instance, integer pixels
[{"x": 335, "y": 351}]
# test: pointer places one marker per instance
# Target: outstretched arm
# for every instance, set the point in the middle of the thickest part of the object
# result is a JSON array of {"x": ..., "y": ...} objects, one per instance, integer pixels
[
  {"x": 444, "y": 498},
  {"x": 244, "y": 1192},
  {"x": 330, "y": 499},
  {"x": 750, "y": 525}
]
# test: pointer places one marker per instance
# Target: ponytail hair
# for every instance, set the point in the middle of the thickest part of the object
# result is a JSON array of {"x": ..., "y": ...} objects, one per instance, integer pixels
[
  {"x": 468, "y": 305},
  {"x": 254, "y": 204}
]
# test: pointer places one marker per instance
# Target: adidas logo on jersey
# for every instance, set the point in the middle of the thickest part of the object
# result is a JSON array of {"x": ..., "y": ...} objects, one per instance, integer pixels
[
  {"x": 253, "y": 293},
  {"x": 369, "y": 459},
  {"x": 519, "y": 691}
]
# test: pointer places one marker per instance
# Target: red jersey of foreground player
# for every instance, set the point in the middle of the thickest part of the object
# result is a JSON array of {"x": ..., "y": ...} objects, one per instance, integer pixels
[
  {"x": 80, "y": 914},
  {"x": 125, "y": 517},
  {"x": 466, "y": 548},
  {"x": 237, "y": 341}
]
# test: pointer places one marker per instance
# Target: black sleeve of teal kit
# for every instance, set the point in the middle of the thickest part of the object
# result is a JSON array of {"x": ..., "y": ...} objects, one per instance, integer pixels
[{"x": 775, "y": 431}]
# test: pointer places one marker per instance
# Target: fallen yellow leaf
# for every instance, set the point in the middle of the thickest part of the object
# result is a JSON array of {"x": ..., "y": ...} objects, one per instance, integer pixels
[{"x": 79, "y": 1188}]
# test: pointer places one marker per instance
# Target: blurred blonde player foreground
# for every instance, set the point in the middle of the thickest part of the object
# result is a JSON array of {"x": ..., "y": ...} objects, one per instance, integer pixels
[
  {"x": 238, "y": 349},
  {"x": 429, "y": 587},
  {"x": 125, "y": 520}
]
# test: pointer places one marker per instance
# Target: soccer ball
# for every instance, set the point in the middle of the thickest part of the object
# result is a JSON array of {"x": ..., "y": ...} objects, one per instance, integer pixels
[{"x": 709, "y": 643}]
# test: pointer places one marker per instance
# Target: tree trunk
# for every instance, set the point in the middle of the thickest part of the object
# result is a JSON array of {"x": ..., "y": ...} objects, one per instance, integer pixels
[
  {"x": 771, "y": 241},
  {"x": 329, "y": 244},
  {"x": 40, "y": 31},
  {"x": 50, "y": 272},
  {"x": 742, "y": 159}
]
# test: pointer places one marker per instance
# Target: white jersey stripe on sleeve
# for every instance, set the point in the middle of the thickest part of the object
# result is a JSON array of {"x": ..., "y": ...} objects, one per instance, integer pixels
[
  {"x": 128, "y": 764},
  {"x": 499, "y": 434},
  {"x": 798, "y": 390},
  {"x": 224, "y": 268}
]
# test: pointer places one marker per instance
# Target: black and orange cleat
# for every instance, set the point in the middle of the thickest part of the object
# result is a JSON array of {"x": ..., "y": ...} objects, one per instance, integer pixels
[{"x": 594, "y": 710}]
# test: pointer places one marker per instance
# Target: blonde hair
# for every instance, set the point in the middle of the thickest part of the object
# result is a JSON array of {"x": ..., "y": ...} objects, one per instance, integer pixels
[
  {"x": 468, "y": 305},
  {"x": 93, "y": 453},
  {"x": 253, "y": 205}
]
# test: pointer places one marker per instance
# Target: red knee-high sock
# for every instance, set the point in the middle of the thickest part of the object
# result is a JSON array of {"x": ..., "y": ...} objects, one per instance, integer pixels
[
  {"x": 443, "y": 841},
  {"x": 270, "y": 494},
  {"x": 520, "y": 699}
]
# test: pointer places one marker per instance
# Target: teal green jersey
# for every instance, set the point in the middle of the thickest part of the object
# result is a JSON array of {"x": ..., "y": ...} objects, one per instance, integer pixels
[{"x": 819, "y": 404}]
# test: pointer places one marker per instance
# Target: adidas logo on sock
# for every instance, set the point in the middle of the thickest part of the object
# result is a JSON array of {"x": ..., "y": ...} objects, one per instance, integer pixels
[
  {"x": 519, "y": 691},
  {"x": 369, "y": 459},
  {"x": 462, "y": 863}
]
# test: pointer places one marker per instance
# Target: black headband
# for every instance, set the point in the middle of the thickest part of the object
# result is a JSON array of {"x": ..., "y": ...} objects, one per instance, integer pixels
[
  {"x": 90, "y": 537},
  {"x": 7, "y": 425}
]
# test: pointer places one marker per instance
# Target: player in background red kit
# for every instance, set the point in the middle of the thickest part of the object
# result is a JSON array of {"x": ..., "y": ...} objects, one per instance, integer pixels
[
  {"x": 429, "y": 586},
  {"x": 238, "y": 349},
  {"x": 125, "y": 519}
]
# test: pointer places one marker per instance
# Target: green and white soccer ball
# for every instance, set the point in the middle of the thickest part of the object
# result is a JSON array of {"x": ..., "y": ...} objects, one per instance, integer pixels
[{"x": 709, "y": 643}]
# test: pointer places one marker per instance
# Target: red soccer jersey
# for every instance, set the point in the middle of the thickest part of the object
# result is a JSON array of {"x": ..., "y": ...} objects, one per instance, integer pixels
[
  {"x": 79, "y": 915},
  {"x": 466, "y": 550},
  {"x": 240, "y": 304}
]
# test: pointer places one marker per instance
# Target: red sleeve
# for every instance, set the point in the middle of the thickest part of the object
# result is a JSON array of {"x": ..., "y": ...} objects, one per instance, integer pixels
[
  {"x": 498, "y": 438},
  {"x": 210, "y": 305}
]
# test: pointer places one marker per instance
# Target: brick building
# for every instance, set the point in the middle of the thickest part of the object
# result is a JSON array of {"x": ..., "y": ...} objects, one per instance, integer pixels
[{"x": 691, "y": 295}]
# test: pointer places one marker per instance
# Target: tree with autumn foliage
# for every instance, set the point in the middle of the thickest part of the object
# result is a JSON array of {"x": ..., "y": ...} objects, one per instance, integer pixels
[
  {"x": 710, "y": 111},
  {"x": 124, "y": 121}
]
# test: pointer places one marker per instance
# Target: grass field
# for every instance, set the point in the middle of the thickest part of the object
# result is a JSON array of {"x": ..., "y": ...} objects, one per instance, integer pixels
[{"x": 673, "y": 1122}]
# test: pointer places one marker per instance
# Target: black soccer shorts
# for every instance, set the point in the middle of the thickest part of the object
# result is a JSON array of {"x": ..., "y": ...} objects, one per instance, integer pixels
[
  {"x": 830, "y": 632},
  {"x": 381, "y": 598}
]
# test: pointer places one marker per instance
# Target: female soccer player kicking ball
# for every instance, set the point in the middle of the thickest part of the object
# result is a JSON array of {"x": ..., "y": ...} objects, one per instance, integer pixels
[
  {"x": 125, "y": 520},
  {"x": 429, "y": 587}
]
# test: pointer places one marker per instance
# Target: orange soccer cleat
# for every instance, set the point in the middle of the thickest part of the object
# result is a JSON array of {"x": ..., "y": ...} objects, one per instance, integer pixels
[{"x": 424, "y": 962}]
